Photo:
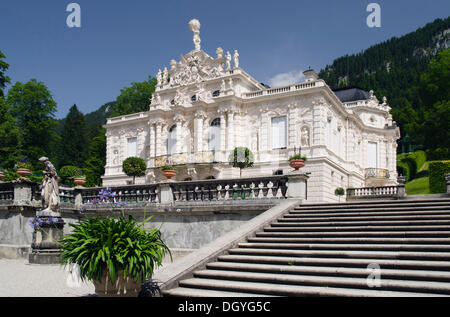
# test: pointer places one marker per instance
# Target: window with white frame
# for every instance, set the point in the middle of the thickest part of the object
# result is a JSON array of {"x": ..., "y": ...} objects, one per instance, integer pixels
[
  {"x": 172, "y": 140},
  {"x": 214, "y": 135},
  {"x": 132, "y": 147},
  {"x": 279, "y": 135}
]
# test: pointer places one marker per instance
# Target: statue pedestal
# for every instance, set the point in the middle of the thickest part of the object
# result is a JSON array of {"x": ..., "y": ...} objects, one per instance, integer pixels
[{"x": 45, "y": 248}]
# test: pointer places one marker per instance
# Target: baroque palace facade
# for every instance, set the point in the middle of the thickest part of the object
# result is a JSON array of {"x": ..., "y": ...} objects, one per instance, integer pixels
[{"x": 204, "y": 107}]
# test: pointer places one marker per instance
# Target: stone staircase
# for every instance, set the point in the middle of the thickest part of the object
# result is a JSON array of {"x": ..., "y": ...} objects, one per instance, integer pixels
[{"x": 331, "y": 249}]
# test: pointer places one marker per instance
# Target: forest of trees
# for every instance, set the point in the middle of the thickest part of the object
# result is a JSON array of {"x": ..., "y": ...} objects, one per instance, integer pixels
[
  {"x": 29, "y": 130},
  {"x": 413, "y": 73}
]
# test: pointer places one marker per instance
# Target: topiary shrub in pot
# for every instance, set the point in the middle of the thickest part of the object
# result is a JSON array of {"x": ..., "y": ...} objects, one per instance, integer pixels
[
  {"x": 117, "y": 255},
  {"x": 134, "y": 166}
]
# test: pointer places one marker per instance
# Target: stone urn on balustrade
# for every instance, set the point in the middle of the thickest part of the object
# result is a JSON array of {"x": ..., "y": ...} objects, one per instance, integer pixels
[
  {"x": 23, "y": 172},
  {"x": 297, "y": 161},
  {"x": 80, "y": 181},
  {"x": 168, "y": 172}
]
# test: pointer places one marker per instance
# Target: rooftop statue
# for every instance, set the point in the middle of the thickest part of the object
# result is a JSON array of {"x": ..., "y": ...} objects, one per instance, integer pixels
[{"x": 194, "y": 26}]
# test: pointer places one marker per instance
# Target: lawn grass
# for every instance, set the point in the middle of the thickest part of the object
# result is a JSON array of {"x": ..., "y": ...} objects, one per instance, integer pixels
[{"x": 418, "y": 186}]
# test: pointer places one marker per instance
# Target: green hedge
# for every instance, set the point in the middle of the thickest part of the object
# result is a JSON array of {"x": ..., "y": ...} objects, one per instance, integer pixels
[
  {"x": 403, "y": 169},
  {"x": 409, "y": 164},
  {"x": 437, "y": 171}
]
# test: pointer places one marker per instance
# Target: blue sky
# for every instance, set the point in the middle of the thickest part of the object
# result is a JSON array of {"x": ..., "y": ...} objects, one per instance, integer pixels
[{"x": 124, "y": 41}]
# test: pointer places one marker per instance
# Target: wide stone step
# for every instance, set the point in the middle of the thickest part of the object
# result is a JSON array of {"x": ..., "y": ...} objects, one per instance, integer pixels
[
  {"x": 199, "y": 292},
  {"x": 330, "y": 271},
  {"x": 375, "y": 204},
  {"x": 331, "y": 246},
  {"x": 327, "y": 281},
  {"x": 340, "y": 262},
  {"x": 363, "y": 218},
  {"x": 290, "y": 290},
  {"x": 299, "y": 237},
  {"x": 375, "y": 223},
  {"x": 386, "y": 208},
  {"x": 362, "y": 234},
  {"x": 294, "y": 228},
  {"x": 344, "y": 214},
  {"x": 400, "y": 255}
]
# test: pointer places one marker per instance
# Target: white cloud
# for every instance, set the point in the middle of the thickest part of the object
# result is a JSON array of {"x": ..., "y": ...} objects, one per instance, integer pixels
[{"x": 289, "y": 78}]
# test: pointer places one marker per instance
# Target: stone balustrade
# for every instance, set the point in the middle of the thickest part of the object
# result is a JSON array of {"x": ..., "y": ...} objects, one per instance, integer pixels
[
  {"x": 259, "y": 188},
  {"x": 281, "y": 90},
  {"x": 372, "y": 192},
  {"x": 274, "y": 187}
]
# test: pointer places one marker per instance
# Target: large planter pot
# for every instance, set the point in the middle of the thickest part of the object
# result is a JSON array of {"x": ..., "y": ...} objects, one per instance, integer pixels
[
  {"x": 23, "y": 172},
  {"x": 296, "y": 164},
  {"x": 123, "y": 287},
  {"x": 169, "y": 173},
  {"x": 79, "y": 181}
]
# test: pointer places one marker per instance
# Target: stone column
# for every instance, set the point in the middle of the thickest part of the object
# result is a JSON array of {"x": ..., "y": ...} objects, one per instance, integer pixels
[
  {"x": 222, "y": 130},
  {"x": 152, "y": 141},
  {"x": 179, "y": 140},
  {"x": 230, "y": 141},
  {"x": 293, "y": 138},
  {"x": 198, "y": 132},
  {"x": 158, "y": 138}
]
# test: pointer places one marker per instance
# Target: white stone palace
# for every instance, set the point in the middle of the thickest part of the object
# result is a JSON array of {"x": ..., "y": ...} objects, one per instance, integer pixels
[{"x": 205, "y": 106}]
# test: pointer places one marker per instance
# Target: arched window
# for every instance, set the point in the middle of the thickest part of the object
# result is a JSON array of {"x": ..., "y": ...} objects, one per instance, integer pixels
[
  {"x": 194, "y": 98},
  {"x": 172, "y": 140},
  {"x": 214, "y": 135},
  {"x": 216, "y": 93}
]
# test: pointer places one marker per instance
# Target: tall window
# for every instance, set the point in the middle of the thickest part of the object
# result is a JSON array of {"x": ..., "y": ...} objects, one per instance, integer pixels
[
  {"x": 172, "y": 140},
  {"x": 372, "y": 153},
  {"x": 279, "y": 138},
  {"x": 214, "y": 135},
  {"x": 132, "y": 147}
]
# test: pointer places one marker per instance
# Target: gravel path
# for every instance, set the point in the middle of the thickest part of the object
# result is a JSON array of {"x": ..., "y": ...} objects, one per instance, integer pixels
[{"x": 18, "y": 278}]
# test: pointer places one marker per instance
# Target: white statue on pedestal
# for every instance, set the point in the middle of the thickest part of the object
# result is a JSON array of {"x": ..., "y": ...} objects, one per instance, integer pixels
[
  {"x": 228, "y": 60},
  {"x": 159, "y": 78},
  {"x": 50, "y": 188},
  {"x": 165, "y": 76},
  {"x": 236, "y": 59},
  {"x": 219, "y": 52}
]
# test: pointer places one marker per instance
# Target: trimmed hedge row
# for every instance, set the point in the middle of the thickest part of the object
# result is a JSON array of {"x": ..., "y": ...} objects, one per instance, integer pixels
[
  {"x": 409, "y": 164},
  {"x": 437, "y": 170}
]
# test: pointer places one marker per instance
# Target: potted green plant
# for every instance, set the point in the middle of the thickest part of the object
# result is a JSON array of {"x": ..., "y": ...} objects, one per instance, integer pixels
[
  {"x": 23, "y": 167},
  {"x": 134, "y": 166},
  {"x": 297, "y": 161},
  {"x": 339, "y": 192},
  {"x": 168, "y": 171},
  {"x": 241, "y": 157},
  {"x": 79, "y": 178},
  {"x": 116, "y": 254}
]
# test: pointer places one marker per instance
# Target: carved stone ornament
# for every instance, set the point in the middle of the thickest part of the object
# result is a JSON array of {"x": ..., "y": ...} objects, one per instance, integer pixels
[{"x": 195, "y": 67}]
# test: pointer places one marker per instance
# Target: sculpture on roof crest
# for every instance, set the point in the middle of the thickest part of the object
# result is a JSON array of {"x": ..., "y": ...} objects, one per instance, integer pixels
[{"x": 194, "y": 26}]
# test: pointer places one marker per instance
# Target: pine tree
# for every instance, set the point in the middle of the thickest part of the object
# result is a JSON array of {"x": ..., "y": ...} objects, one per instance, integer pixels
[{"x": 74, "y": 143}]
